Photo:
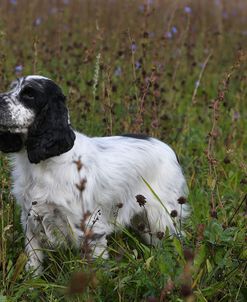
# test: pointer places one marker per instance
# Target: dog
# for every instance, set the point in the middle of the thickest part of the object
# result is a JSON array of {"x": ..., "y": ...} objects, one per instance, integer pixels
[{"x": 60, "y": 175}]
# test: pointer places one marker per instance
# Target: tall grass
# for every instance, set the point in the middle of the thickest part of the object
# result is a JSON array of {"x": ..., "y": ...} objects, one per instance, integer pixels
[{"x": 172, "y": 69}]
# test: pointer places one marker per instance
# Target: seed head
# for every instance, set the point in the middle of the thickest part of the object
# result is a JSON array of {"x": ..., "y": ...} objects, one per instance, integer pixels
[
  {"x": 243, "y": 181},
  {"x": 160, "y": 235},
  {"x": 186, "y": 290},
  {"x": 78, "y": 283},
  {"x": 79, "y": 164},
  {"x": 141, "y": 200},
  {"x": 174, "y": 213},
  {"x": 213, "y": 214},
  {"x": 227, "y": 160},
  {"x": 182, "y": 200},
  {"x": 188, "y": 254},
  {"x": 81, "y": 186}
]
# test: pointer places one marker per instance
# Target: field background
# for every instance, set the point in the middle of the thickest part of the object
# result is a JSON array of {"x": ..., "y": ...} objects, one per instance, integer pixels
[{"x": 172, "y": 69}]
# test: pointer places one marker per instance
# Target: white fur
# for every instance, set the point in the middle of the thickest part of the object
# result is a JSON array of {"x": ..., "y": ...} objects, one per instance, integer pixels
[
  {"x": 21, "y": 115},
  {"x": 114, "y": 169}
]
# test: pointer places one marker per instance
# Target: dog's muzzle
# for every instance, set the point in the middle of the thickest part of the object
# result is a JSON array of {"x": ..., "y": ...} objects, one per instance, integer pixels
[{"x": 5, "y": 116}]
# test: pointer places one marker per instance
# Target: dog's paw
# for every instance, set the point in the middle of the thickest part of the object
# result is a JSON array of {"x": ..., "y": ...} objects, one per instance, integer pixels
[{"x": 34, "y": 266}]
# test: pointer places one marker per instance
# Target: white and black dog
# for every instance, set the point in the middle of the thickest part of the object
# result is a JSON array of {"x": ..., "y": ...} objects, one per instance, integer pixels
[{"x": 112, "y": 173}]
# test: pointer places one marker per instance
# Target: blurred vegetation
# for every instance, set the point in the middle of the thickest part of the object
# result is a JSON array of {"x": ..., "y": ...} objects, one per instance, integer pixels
[{"x": 172, "y": 69}]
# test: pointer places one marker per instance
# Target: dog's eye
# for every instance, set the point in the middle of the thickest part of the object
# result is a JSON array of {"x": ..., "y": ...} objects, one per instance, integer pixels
[{"x": 28, "y": 93}]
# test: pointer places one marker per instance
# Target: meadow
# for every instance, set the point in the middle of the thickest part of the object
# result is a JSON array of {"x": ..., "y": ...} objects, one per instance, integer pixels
[{"x": 175, "y": 70}]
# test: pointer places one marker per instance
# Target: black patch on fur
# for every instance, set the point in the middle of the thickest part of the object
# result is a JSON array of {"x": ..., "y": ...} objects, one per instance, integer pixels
[
  {"x": 137, "y": 136},
  {"x": 32, "y": 96},
  {"x": 50, "y": 134},
  {"x": 10, "y": 142}
]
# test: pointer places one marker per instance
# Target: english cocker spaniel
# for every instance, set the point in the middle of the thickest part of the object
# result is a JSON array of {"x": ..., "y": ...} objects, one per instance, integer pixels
[{"x": 60, "y": 175}]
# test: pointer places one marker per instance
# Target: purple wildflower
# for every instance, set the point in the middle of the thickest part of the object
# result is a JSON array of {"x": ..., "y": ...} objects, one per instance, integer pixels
[
  {"x": 53, "y": 10},
  {"x": 236, "y": 115},
  {"x": 201, "y": 65},
  {"x": 141, "y": 8},
  {"x": 168, "y": 35},
  {"x": 38, "y": 21},
  {"x": 14, "y": 2},
  {"x": 118, "y": 71},
  {"x": 174, "y": 30},
  {"x": 18, "y": 68},
  {"x": 133, "y": 47},
  {"x": 187, "y": 10},
  {"x": 225, "y": 14},
  {"x": 138, "y": 64}
]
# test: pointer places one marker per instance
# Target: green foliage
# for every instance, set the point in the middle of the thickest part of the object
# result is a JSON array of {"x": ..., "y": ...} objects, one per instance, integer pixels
[{"x": 165, "y": 69}]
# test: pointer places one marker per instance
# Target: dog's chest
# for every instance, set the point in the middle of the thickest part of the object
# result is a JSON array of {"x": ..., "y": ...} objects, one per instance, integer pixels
[
  {"x": 42, "y": 184},
  {"x": 50, "y": 205}
]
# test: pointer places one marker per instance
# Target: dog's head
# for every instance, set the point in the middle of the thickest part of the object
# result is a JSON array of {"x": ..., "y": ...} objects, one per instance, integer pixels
[{"x": 33, "y": 115}]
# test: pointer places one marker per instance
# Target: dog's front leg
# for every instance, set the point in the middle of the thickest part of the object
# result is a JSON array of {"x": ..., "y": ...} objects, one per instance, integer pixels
[
  {"x": 32, "y": 246},
  {"x": 34, "y": 254}
]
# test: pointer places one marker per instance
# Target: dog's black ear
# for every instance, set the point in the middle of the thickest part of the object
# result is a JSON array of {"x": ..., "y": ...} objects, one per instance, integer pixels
[
  {"x": 10, "y": 142},
  {"x": 50, "y": 134}
]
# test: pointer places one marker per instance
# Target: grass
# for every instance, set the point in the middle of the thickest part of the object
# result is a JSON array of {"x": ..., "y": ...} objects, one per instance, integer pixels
[{"x": 172, "y": 69}]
